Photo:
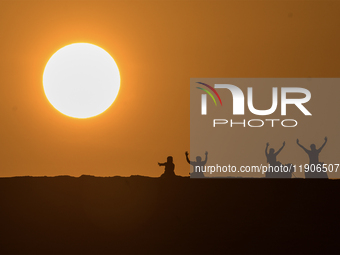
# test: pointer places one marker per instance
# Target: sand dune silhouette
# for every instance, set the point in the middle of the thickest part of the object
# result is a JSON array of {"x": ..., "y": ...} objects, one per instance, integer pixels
[{"x": 140, "y": 214}]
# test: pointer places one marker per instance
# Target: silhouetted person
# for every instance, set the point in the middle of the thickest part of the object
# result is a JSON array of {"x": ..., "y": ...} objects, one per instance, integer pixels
[
  {"x": 271, "y": 156},
  {"x": 277, "y": 169},
  {"x": 313, "y": 155},
  {"x": 169, "y": 170},
  {"x": 198, "y": 165}
]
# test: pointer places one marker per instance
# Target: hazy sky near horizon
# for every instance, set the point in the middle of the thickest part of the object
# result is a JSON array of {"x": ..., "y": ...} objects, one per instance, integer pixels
[{"x": 158, "y": 46}]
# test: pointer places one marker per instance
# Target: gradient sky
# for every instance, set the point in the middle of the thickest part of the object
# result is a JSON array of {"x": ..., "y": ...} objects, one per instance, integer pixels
[{"x": 158, "y": 46}]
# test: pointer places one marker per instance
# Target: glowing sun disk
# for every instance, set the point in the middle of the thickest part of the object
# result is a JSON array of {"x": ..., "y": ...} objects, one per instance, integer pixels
[{"x": 81, "y": 80}]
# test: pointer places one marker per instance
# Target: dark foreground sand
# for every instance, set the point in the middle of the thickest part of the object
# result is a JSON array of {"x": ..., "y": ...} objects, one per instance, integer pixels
[{"x": 150, "y": 215}]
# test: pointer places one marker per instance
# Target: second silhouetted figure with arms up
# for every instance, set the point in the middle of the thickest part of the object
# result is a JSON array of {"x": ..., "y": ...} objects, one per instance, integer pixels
[
  {"x": 198, "y": 165},
  {"x": 314, "y": 164}
]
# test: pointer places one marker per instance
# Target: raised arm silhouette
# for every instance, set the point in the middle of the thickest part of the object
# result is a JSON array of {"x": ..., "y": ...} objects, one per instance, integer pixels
[
  {"x": 198, "y": 165},
  {"x": 271, "y": 156},
  {"x": 169, "y": 170},
  {"x": 277, "y": 169},
  {"x": 313, "y": 155}
]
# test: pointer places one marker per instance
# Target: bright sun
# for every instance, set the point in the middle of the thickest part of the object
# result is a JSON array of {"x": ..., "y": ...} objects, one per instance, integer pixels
[{"x": 81, "y": 80}]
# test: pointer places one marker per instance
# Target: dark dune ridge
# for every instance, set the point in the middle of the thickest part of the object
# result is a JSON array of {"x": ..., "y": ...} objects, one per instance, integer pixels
[{"x": 150, "y": 215}]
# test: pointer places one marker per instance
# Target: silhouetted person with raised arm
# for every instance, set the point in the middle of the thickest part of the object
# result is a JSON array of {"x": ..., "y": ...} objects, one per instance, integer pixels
[
  {"x": 313, "y": 155},
  {"x": 277, "y": 169},
  {"x": 169, "y": 170},
  {"x": 198, "y": 165},
  {"x": 271, "y": 156}
]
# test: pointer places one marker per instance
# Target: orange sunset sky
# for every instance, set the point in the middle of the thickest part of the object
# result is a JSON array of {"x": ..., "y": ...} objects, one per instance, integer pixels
[{"x": 158, "y": 46}]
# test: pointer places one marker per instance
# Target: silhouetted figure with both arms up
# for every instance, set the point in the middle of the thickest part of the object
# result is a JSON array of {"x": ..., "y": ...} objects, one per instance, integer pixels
[
  {"x": 271, "y": 156},
  {"x": 198, "y": 165},
  {"x": 169, "y": 170},
  {"x": 313, "y": 155},
  {"x": 271, "y": 160}
]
